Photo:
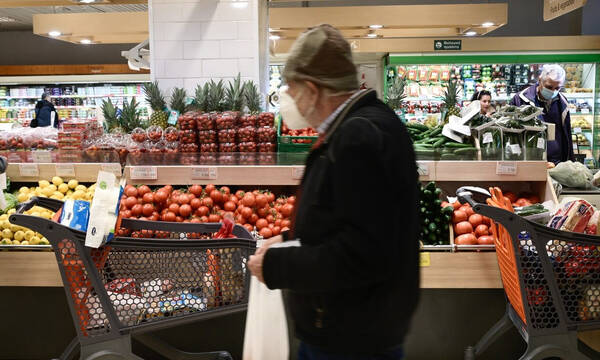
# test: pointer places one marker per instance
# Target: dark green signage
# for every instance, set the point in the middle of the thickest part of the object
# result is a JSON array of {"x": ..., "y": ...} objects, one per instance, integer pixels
[{"x": 447, "y": 45}]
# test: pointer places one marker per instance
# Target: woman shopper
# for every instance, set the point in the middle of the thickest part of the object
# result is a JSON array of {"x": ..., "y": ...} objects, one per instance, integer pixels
[
  {"x": 45, "y": 113},
  {"x": 485, "y": 98}
]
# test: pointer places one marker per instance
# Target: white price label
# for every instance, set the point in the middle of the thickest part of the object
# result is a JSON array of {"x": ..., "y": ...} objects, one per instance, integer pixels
[
  {"x": 577, "y": 130},
  {"x": 29, "y": 170},
  {"x": 41, "y": 156},
  {"x": 506, "y": 168},
  {"x": 112, "y": 168},
  {"x": 515, "y": 149},
  {"x": 204, "y": 173},
  {"x": 423, "y": 168},
  {"x": 143, "y": 173},
  {"x": 65, "y": 170},
  {"x": 488, "y": 138},
  {"x": 3, "y": 181},
  {"x": 297, "y": 172},
  {"x": 585, "y": 111},
  {"x": 541, "y": 144}
]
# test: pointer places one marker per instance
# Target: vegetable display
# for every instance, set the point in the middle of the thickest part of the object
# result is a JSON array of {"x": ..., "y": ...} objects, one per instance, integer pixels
[
  {"x": 434, "y": 218},
  {"x": 430, "y": 144},
  {"x": 470, "y": 228}
]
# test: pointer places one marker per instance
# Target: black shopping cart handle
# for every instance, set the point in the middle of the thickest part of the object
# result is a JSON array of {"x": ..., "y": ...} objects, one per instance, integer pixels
[{"x": 465, "y": 194}]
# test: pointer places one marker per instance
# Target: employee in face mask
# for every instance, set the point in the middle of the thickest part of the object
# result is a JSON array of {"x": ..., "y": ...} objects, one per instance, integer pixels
[
  {"x": 362, "y": 145},
  {"x": 545, "y": 94}
]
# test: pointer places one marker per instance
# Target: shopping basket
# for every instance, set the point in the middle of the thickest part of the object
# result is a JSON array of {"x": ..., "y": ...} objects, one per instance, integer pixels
[
  {"x": 134, "y": 285},
  {"x": 551, "y": 280}
]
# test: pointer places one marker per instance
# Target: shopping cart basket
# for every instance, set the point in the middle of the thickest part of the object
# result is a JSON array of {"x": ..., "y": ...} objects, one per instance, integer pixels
[
  {"x": 134, "y": 285},
  {"x": 551, "y": 279}
]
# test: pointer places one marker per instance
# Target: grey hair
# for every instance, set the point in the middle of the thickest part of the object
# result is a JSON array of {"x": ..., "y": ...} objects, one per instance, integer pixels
[{"x": 553, "y": 72}]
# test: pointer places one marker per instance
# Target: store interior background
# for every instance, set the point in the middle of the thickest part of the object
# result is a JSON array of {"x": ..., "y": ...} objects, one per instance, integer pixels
[{"x": 36, "y": 322}]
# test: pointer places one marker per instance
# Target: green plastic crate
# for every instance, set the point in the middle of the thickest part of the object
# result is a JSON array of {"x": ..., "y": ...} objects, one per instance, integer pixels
[{"x": 285, "y": 144}]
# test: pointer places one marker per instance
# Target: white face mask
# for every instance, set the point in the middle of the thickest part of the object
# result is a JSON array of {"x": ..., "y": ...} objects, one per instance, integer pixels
[{"x": 289, "y": 111}]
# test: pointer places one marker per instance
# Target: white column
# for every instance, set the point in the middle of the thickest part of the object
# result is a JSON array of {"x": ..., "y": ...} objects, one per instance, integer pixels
[{"x": 193, "y": 41}]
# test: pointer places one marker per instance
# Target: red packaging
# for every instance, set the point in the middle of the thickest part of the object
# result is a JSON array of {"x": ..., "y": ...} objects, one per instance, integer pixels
[
  {"x": 227, "y": 136},
  {"x": 207, "y": 136},
  {"x": 266, "y": 119},
  {"x": 246, "y": 134},
  {"x": 266, "y": 134}
]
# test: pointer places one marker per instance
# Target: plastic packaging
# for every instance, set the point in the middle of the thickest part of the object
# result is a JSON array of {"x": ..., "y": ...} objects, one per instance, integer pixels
[
  {"x": 572, "y": 174},
  {"x": 75, "y": 214}
]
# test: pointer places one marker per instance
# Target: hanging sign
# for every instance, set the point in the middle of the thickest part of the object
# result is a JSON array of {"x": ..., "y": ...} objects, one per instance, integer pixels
[
  {"x": 556, "y": 8},
  {"x": 447, "y": 45}
]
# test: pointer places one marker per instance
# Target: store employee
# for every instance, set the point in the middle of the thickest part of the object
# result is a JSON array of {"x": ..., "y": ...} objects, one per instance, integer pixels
[{"x": 545, "y": 94}]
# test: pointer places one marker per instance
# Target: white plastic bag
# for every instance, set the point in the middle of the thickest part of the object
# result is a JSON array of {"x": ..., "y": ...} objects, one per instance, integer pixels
[
  {"x": 572, "y": 174},
  {"x": 266, "y": 335}
]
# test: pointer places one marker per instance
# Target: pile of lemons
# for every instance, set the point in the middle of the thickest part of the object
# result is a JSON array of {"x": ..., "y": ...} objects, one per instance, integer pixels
[{"x": 56, "y": 189}]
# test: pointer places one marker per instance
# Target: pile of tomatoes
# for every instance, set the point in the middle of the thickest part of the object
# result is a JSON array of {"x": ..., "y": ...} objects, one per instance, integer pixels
[
  {"x": 285, "y": 131},
  {"x": 258, "y": 209}
]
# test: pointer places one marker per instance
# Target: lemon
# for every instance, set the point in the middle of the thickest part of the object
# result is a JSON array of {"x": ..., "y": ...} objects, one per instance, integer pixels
[
  {"x": 70, "y": 192},
  {"x": 24, "y": 242},
  {"x": 44, "y": 241},
  {"x": 6, "y": 241},
  {"x": 78, "y": 194},
  {"x": 16, "y": 242},
  {"x": 63, "y": 188},
  {"x": 28, "y": 235},
  {"x": 14, "y": 228},
  {"x": 24, "y": 189},
  {"x": 6, "y": 233},
  {"x": 57, "y": 180},
  {"x": 19, "y": 235},
  {"x": 5, "y": 224},
  {"x": 59, "y": 195},
  {"x": 81, "y": 187},
  {"x": 47, "y": 191},
  {"x": 22, "y": 197},
  {"x": 34, "y": 240},
  {"x": 3, "y": 217},
  {"x": 12, "y": 211},
  {"x": 53, "y": 187},
  {"x": 43, "y": 183},
  {"x": 73, "y": 183}
]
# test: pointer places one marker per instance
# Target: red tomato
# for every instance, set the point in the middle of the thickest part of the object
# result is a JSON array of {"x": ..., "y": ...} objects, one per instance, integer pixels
[
  {"x": 253, "y": 219},
  {"x": 265, "y": 233},
  {"x": 202, "y": 211},
  {"x": 286, "y": 224},
  {"x": 225, "y": 190},
  {"x": 276, "y": 230},
  {"x": 213, "y": 218},
  {"x": 144, "y": 189},
  {"x": 196, "y": 203},
  {"x": 246, "y": 212},
  {"x": 147, "y": 209},
  {"x": 169, "y": 188},
  {"x": 155, "y": 217},
  {"x": 209, "y": 188},
  {"x": 239, "y": 219},
  {"x": 136, "y": 210},
  {"x": 216, "y": 196},
  {"x": 239, "y": 194},
  {"x": 161, "y": 196},
  {"x": 261, "y": 223},
  {"x": 291, "y": 200},
  {"x": 148, "y": 198},
  {"x": 248, "y": 199},
  {"x": 270, "y": 219},
  {"x": 184, "y": 199},
  {"x": 131, "y": 191},
  {"x": 229, "y": 206},
  {"x": 174, "y": 208},
  {"x": 261, "y": 200},
  {"x": 270, "y": 196},
  {"x": 208, "y": 202},
  {"x": 277, "y": 222},
  {"x": 262, "y": 212},
  {"x": 285, "y": 228},
  {"x": 456, "y": 205},
  {"x": 204, "y": 219},
  {"x": 185, "y": 210},
  {"x": 234, "y": 199},
  {"x": 128, "y": 213},
  {"x": 287, "y": 209},
  {"x": 130, "y": 202},
  {"x": 178, "y": 219},
  {"x": 249, "y": 227},
  {"x": 196, "y": 190}
]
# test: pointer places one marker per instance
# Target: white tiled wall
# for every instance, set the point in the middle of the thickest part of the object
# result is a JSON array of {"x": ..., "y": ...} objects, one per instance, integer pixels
[{"x": 192, "y": 41}]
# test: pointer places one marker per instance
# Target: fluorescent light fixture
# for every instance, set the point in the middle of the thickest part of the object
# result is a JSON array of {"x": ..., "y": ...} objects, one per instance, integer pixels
[
  {"x": 85, "y": 41},
  {"x": 6, "y": 19},
  {"x": 240, "y": 4},
  {"x": 55, "y": 33},
  {"x": 470, "y": 33},
  {"x": 371, "y": 35},
  {"x": 274, "y": 37},
  {"x": 487, "y": 24},
  {"x": 87, "y": 1},
  {"x": 376, "y": 26}
]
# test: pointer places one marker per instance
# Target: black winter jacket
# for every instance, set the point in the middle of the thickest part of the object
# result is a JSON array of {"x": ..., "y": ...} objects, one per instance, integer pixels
[
  {"x": 43, "y": 113},
  {"x": 354, "y": 283}
]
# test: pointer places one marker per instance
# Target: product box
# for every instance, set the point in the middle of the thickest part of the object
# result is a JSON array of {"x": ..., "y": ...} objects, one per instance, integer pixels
[{"x": 104, "y": 210}]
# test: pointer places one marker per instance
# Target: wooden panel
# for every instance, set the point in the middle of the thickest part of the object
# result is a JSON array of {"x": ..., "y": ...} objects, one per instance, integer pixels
[
  {"x": 34, "y": 268},
  {"x": 486, "y": 171},
  {"x": 24, "y": 3},
  {"x": 83, "y": 172},
  {"x": 27, "y": 70},
  {"x": 468, "y": 270}
]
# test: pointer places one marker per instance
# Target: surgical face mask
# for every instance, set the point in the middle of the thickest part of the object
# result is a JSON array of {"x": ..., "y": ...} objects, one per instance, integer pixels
[
  {"x": 549, "y": 94},
  {"x": 290, "y": 113}
]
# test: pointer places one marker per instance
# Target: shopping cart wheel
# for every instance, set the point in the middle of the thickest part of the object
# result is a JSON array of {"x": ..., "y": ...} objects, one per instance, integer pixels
[{"x": 470, "y": 353}]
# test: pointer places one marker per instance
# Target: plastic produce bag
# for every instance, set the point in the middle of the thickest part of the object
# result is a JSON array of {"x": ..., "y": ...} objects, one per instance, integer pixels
[
  {"x": 266, "y": 335},
  {"x": 572, "y": 174}
]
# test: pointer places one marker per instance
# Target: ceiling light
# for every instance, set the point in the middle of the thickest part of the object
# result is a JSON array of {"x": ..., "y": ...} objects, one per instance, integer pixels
[
  {"x": 6, "y": 19},
  {"x": 55, "y": 33},
  {"x": 85, "y": 41},
  {"x": 376, "y": 26},
  {"x": 274, "y": 37},
  {"x": 87, "y": 1},
  {"x": 240, "y": 5},
  {"x": 487, "y": 24},
  {"x": 470, "y": 33},
  {"x": 371, "y": 35}
]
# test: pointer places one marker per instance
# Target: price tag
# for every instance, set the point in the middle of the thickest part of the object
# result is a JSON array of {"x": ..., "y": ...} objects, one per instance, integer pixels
[
  {"x": 3, "y": 182},
  {"x": 515, "y": 148},
  {"x": 143, "y": 173},
  {"x": 506, "y": 168},
  {"x": 585, "y": 111},
  {"x": 423, "y": 168},
  {"x": 204, "y": 173},
  {"x": 41, "y": 156},
  {"x": 112, "y": 168},
  {"x": 173, "y": 116},
  {"x": 65, "y": 170},
  {"x": 488, "y": 138},
  {"x": 541, "y": 143},
  {"x": 297, "y": 172},
  {"x": 425, "y": 259},
  {"x": 577, "y": 130},
  {"x": 29, "y": 170}
]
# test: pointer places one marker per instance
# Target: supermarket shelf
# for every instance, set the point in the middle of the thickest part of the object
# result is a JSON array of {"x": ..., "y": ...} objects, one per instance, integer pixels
[
  {"x": 446, "y": 270},
  {"x": 84, "y": 172},
  {"x": 480, "y": 171},
  {"x": 73, "y": 96}
]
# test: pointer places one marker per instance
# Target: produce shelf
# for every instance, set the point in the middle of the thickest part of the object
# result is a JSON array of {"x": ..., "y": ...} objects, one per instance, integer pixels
[
  {"x": 446, "y": 270},
  {"x": 73, "y": 96},
  {"x": 482, "y": 171},
  {"x": 19, "y": 172}
]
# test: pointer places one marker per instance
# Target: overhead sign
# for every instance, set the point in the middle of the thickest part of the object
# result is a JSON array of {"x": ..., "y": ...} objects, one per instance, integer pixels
[
  {"x": 556, "y": 8},
  {"x": 439, "y": 45}
]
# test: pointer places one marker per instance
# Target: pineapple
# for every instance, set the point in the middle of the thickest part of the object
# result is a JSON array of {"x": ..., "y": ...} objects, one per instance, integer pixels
[
  {"x": 234, "y": 99},
  {"x": 111, "y": 121},
  {"x": 395, "y": 94},
  {"x": 201, "y": 98},
  {"x": 252, "y": 97},
  {"x": 130, "y": 116},
  {"x": 216, "y": 94},
  {"x": 178, "y": 100},
  {"x": 157, "y": 102},
  {"x": 451, "y": 95}
]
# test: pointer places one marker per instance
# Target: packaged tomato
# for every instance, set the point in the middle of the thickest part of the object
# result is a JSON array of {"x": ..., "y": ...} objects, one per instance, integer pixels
[
  {"x": 207, "y": 136},
  {"x": 187, "y": 136},
  {"x": 227, "y": 158},
  {"x": 267, "y": 147},
  {"x": 266, "y": 119},
  {"x": 154, "y": 133},
  {"x": 246, "y": 134},
  {"x": 247, "y": 158},
  {"x": 171, "y": 134},
  {"x": 247, "y": 147},
  {"x": 205, "y": 121},
  {"x": 187, "y": 121},
  {"x": 209, "y": 148},
  {"x": 247, "y": 121},
  {"x": 225, "y": 120},
  {"x": 266, "y": 159},
  {"x": 227, "y": 147},
  {"x": 139, "y": 135},
  {"x": 227, "y": 136},
  {"x": 188, "y": 147},
  {"x": 266, "y": 134},
  {"x": 208, "y": 158}
]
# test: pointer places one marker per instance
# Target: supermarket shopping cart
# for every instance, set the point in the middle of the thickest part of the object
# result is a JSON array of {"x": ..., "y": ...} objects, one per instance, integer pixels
[
  {"x": 551, "y": 279},
  {"x": 135, "y": 285}
]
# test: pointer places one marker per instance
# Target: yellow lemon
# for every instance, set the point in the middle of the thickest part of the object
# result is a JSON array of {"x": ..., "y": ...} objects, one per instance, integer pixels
[
  {"x": 6, "y": 241},
  {"x": 22, "y": 197},
  {"x": 53, "y": 187},
  {"x": 73, "y": 183},
  {"x": 47, "y": 191},
  {"x": 63, "y": 188},
  {"x": 25, "y": 242},
  {"x": 59, "y": 195},
  {"x": 6, "y": 233},
  {"x": 44, "y": 241},
  {"x": 57, "y": 180},
  {"x": 34, "y": 240},
  {"x": 36, "y": 214},
  {"x": 14, "y": 228},
  {"x": 5, "y": 224},
  {"x": 80, "y": 188},
  {"x": 19, "y": 235},
  {"x": 3, "y": 217},
  {"x": 78, "y": 194},
  {"x": 29, "y": 234},
  {"x": 70, "y": 192},
  {"x": 12, "y": 211},
  {"x": 43, "y": 183},
  {"x": 16, "y": 242},
  {"x": 24, "y": 189}
]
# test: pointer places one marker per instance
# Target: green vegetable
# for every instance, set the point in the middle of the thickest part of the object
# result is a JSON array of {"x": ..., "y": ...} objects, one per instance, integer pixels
[
  {"x": 456, "y": 145},
  {"x": 418, "y": 126},
  {"x": 11, "y": 202},
  {"x": 490, "y": 140},
  {"x": 535, "y": 145},
  {"x": 432, "y": 227}
]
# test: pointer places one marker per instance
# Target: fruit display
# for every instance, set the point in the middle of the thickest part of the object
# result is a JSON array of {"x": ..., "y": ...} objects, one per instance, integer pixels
[
  {"x": 434, "y": 218},
  {"x": 451, "y": 100},
  {"x": 157, "y": 102},
  {"x": 257, "y": 210},
  {"x": 580, "y": 121},
  {"x": 469, "y": 228}
]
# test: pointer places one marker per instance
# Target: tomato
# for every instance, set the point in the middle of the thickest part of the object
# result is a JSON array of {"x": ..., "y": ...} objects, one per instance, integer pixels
[
  {"x": 459, "y": 216},
  {"x": 127, "y": 213},
  {"x": 178, "y": 219},
  {"x": 285, "y": 228},
  {"x": 208, "y": 202},
  {"x": 261, "y": 201},
  {"x": 185, "y": 210},
  {"x": 265, "y": 233},
  {"x": 183, "y": 199},
  {"x": 131, "y": 191},
  {"x": 466, "y": 239},
  {"x": 270, "y": 196},
  {"x": 456, "y": 205},
  {"x": 485, "y": 240},
  {"x": 213, "y": 218},
  {"x": 196, "y": 190},
  {"x": 234, "y": 199},
  {"x": 148, "y": 198},
  {"x": 246, "y": 212},
  {"x": 262, "y": 212},
  {"x": 161, "y": 196},
  {"x": 270, "y": 219},
  {"x": 287, "y": 209},
  {"x": 225, "y": 198},
  {"x": 155, "y": 217},
  {"x": 209, "y": 188},
  {"x": 281, "y": 200},
  {"x": 174, "y": 208},
  {"x": 216, "y": 196},
  {"x": 202, "y": 211},
  {"x": 286, "y": 223},
  {"x": 463, "y": 227},
  {"x": 277, "y": 222},
  {"x": 140, "y": 201},
  {"x": 147, "y": 209},
  {"x": 249, "y": 227},
  {"x": 253, "y": 219},
  {"x": 195, "y": 220},
  {"x": 122, "y": 214},
  {"x": 204, "y": 219},
  {"x": 481, "y": 230},
  {"x": 239, "y": 219},
  {"x": 276, "y": 230},
  {"x": 475, "y": 220},
  {"x": 130, "y": 202},
  {"x": 291, "y": 200},
  {"x": 229, "y": 206},
  {"x": 144, "y": 189},
  {"x": 136, "y": 210},
  {"x": 225, "y": 190},
  {"x": 511, "y": 196},
  {"x": 261, "y": 223},
  {"x": 239, "y": 194},
  {"x": 248, "y": 199},
  {"x": 196, "y": 203}
]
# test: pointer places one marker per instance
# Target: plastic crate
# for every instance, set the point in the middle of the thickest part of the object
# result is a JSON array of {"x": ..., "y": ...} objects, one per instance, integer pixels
[{"x": 286, "y": 144}]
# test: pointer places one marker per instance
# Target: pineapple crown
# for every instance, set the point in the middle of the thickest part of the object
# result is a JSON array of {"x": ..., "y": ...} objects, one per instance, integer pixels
[
  {"x": 451, "y": 94},
  {"x": 130, "y": 115},
  {"x": 200, "y": 102},
  {"x": 234, "y": 95},
  {"x": 110, "y": 115},
  {"x": 252, "y": 97},
  {"x": 178, "y": 100},
  {"x": 216, "y": 95},
  {"x": 396, "y": 93},
  {"x": 154, "y": 96}
]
